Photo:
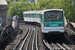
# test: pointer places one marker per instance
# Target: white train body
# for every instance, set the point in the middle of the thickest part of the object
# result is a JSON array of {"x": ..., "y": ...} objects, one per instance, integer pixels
[{"x": 51, "y": 20}]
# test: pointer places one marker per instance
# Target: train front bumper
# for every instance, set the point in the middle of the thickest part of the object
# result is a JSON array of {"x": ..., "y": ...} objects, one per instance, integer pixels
[{"x": 53, "y": 29}]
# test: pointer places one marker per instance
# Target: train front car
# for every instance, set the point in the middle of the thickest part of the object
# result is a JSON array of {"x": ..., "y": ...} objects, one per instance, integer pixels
[{"x": 53, "y": 21}]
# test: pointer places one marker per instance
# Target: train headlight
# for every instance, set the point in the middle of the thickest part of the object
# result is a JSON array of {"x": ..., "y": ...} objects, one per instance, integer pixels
[
  {"x": 47, "y": 25},
  {"x": 59, "y": 24}
]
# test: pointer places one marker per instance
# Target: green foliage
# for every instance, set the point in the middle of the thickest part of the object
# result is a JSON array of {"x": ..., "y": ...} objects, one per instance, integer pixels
[
  {"x": 74, "y": 0},
  {"x": 8, "y": 1},
  {"x": 58, "y": 4},
  {"x": 17, "y": 8},
  {"x": 23, "y": 0}
]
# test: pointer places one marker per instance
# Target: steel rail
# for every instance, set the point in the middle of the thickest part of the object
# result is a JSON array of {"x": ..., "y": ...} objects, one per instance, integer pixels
[
  {"x": 24, "y": 40},
  {"x": 33, "y": 40},
  {"x": 61, "y": 46},
  {"x": 20, "y": 40},
  {"x": 36, "y": 39},
  {"x": 67, "y": 47},
  {"x": 29, "y": 40},
  {"x": 57, "y": 46},
  {"x": 49, "y": 47}
]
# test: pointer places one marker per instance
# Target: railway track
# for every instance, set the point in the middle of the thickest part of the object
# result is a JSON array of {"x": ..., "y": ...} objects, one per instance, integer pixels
[
  {"x": 5, "y": 40},
  {"x": 40, "y": 44},
  {"x": 57, "y": 46},
  {"x": 28, "y": 41},
  {"x": 31, "y": 39},
  {"x": 16, "y": 40},
  {"x": 62, "y": 45}
]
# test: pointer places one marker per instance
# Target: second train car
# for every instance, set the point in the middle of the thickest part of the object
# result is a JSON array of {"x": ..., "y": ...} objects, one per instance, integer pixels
[{"x": 51, "y": 20}]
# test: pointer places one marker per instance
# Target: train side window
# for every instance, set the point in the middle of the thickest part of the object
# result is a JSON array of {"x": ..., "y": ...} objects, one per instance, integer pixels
[
  {"x": 25, "y": 15},
  {"x": 38, "y": 15},
  {"x": 28, "y": 15},
  {"x": 41, "y": 17},
  {"x": 32, "y": 15}
]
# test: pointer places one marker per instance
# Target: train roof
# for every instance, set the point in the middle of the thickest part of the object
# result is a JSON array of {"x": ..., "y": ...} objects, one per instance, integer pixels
[
  {"x": 53, "y": 10},
  {"x": 42, "y": 11},
  {"x": 38, "y": 11},
  {"x": 29, "y": 12}
]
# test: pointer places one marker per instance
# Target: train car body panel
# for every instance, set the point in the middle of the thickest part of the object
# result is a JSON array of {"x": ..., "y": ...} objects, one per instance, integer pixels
[
  {"x": 54, "y": 24},
  {"x": 53, "y": 29},
  {"x": 29, "y": 16},
  {"x": 33, "y": 17}
]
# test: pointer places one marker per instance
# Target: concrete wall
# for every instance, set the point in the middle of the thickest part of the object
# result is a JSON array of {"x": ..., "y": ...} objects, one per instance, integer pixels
[
  {"x": 4, "y": 11},
  {"x": 4, "y": 15}
]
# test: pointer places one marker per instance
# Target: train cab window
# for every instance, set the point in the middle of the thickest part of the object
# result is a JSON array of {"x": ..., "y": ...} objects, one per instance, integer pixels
[{"x": 54, "y": 16}]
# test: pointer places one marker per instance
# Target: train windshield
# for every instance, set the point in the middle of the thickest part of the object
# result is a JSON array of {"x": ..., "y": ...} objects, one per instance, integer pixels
[{"x": 53, "y": 16}]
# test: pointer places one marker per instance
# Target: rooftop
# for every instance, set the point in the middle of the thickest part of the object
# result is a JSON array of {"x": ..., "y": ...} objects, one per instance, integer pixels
[{"x": 3, "y": 3}]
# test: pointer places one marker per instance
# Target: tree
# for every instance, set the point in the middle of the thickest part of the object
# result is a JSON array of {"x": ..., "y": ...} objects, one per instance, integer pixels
[
  {"x": 17, "y": 8},
  {"x": 8, "y": 1}
]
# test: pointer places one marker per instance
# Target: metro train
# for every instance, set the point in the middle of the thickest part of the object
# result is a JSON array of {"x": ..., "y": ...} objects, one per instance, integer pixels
[{"x": 51, "y": 20}]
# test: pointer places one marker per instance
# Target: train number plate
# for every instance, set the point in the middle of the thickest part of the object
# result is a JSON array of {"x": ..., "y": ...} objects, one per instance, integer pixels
[{"x": 53, "y": 24}]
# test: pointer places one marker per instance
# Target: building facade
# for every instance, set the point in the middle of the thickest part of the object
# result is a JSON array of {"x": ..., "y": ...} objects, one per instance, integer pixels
[
  {"x": 4, "y": 12},
  {"x": 29, "y": 1},
  {"x": 14, "y": 0},
  {"x": 34, "y": 1}
]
